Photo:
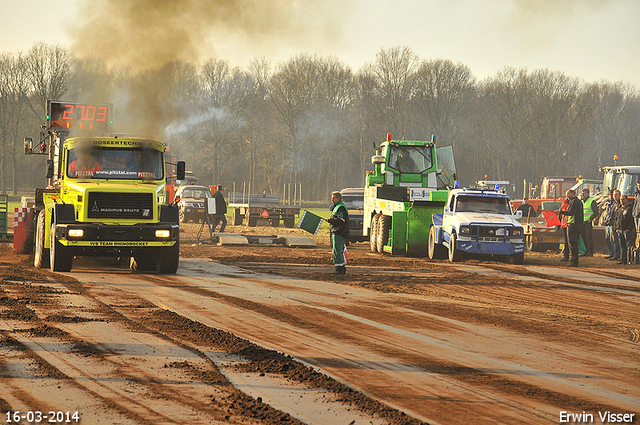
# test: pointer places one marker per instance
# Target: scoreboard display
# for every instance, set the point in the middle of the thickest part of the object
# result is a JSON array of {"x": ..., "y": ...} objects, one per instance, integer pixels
[{"x": 78, "y": 116}]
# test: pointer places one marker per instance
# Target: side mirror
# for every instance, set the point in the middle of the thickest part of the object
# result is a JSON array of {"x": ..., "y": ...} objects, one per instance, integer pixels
[
  {"x": 49, "y": 169},
  {"x": 180, "y": 171},
  {"x": 28, "y": 145},
  {"x": 447, "y": 210},
  {"x": 518, "y": 214}
]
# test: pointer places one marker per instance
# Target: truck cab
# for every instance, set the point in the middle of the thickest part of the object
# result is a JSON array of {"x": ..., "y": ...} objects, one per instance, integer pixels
[{"x": 477, "y": 221}]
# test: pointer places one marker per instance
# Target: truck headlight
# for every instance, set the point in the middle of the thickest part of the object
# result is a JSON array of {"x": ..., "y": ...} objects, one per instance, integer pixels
[
  {"x": 517, "y": 232},
  {"x": 76, "y": 233},
  {"x": 164, "y": 234},
  {"x": 465, "y": 230}
]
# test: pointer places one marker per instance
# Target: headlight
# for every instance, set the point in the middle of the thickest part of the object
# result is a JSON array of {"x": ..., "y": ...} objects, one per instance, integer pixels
[
  {"x": 517, "y": 232},
  {"x": 164, "y": 234},
  {"x": 76, "y": 233},
  {"x": 465, "y": 230}
]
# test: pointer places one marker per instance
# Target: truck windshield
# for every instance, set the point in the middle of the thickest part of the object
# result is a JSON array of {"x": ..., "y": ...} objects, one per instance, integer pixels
[
  {"x": 353, "y": 202},
  {"x": 627, "y": 184},
  {"x": 482, "y": 204},
  {"x": 410, "y": 159},
  {"x": 115, "y": 163}
]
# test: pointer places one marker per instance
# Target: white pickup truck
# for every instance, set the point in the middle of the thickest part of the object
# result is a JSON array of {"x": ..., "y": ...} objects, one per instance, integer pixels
[{"x": 477, "y": 221}]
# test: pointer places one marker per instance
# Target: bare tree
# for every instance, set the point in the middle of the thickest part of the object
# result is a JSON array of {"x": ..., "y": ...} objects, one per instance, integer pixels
[{"x": 48, "y": 69}]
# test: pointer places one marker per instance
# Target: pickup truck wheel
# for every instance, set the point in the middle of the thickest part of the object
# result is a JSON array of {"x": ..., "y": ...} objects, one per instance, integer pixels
[
  {"x": 41, "y": 257},
  {"x": 373, "y": 233},
  {"x": 168, "y": 259},
  {"x": 384, "y": 224},
  {"x": 182, "y": 217},
  {"x": 455, "y": 255},
  {"x": 436, "y": 251},
  {"x": 517, "y": 258},
  {"x": 60, "y": 257}
]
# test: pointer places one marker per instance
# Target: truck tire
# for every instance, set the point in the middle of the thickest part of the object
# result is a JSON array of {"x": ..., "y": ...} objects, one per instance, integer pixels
[
  {"x": 168, "y": 259},
  {"x": 252, "y": 220},
  {"x": 517, "y": 258},
  {"x": 373, "y": 233},
  {"x": 41, "y": 257},
  {"x": 290, "y": 221},
  {"x": 455, "y": 255},
  {"x": 182, "y": 216},
  {"x": 384, "y": 224},
  {"x": 60, "y": 257},
  {"x": 143, "y": 262},
  {"x": 436, "y": 251}
]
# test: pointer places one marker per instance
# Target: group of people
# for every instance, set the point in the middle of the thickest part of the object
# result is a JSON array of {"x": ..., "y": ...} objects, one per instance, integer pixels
[{"x": 620, "y": 214}]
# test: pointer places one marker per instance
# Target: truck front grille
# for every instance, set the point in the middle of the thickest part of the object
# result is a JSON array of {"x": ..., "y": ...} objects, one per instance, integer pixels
[{"x": 120, "y": 205}]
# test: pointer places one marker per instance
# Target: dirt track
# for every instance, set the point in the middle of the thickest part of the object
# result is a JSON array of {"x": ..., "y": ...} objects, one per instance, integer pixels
[{"x": 242, "y": 339}]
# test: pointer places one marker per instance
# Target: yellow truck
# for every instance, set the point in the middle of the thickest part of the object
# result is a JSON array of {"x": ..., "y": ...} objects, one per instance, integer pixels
[{"x": 106, "y": 196}]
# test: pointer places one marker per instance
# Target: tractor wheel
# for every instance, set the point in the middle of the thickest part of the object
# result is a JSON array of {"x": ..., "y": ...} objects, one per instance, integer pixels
[
  {"x": 373, "y": 233},
  {"x": 455, "y": 255},
  {"x": 384, "y": 224},
  {"x": 436, "y": 251},
  {"x": 60, "y": 256},
  {"x": 168, "y": 259},
  {"x": 41, "y": 257}
]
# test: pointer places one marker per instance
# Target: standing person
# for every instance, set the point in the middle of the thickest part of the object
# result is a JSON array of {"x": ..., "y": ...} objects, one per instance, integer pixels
[
  {"x": 625, "y": 226},
  {"x": 339, "y": 231},
  {"x": 636, "y": 209},
  {"x": 221, "y": 210},
  {"x": 590, "y": 213},
  {"x": 563, "y": 225},
  {"x": 528, "y": 211},
  {"x": 611, "y": 236},
  {"x": 574, "y": 224}
]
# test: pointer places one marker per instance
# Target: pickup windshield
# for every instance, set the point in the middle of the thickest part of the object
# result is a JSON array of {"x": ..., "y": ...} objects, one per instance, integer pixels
[
  {"x": 115, "y": 163},
  {"x": 482, "y": 204}
]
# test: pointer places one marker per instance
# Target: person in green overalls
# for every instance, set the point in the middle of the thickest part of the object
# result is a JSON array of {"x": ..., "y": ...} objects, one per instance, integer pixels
[
  {"x": 590, "y": 214},
  {"x": 339, "y": 231}
]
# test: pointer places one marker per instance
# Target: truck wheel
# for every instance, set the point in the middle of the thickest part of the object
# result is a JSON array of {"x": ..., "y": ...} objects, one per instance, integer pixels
[
  {"x": 143, "y": 262},
  {"x": 182, "y": 217},
  {"x": 436, "y": 251},
  {"x": 168, "y": 259},
  {"x": 41, "y": 257},
  {"x": 252, "y": 220},
  {"x": 373, "y": 233},
  {"x": 290, "y": 222},
  {"x": 517, "y": 258},
  {"x": 455, "y": 255},
  {"x": 60, "y": 257},
  {"x": 384, "y": 224}
]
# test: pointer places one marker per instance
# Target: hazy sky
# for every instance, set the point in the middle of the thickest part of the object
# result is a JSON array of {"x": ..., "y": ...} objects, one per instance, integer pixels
[{"x": 590, "y": 39}]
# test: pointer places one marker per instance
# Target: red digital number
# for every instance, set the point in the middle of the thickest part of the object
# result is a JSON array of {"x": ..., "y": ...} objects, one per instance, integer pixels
[
  {"x": 92, "y": 110},
  {"x": 68, "y": 112},
  {"x": 102, "y": 113}
]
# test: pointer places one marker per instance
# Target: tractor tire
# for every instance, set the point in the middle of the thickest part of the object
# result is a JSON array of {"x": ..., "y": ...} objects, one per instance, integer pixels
[
  {"x": 168, "y": 259},
  {"x": 455, "y": 255},
  {"x": 384, "y": 225},
  {"x": 60, "y": 256},
  {"x": 373, "y": 233},
  {"x": 436, "y": 251},
  {"x": 41, "y": 257}
]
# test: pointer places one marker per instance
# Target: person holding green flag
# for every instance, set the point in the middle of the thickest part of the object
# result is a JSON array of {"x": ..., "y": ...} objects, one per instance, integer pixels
[{"x": 339, "y": 231}]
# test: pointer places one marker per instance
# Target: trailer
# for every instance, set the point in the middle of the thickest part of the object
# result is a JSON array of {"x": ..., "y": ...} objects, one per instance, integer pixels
[{"x": 255, "y": 209}]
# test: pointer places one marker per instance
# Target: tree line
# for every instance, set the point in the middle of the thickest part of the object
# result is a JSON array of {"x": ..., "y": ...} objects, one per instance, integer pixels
[{"x": 311, "y": 122}]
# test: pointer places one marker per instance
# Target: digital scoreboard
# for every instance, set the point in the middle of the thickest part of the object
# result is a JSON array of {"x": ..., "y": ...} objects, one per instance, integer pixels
[{"x": 78, "y": 116}]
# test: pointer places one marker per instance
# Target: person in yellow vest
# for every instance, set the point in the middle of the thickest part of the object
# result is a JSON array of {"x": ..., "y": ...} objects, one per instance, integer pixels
[{"x": 591, "y": 213}]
